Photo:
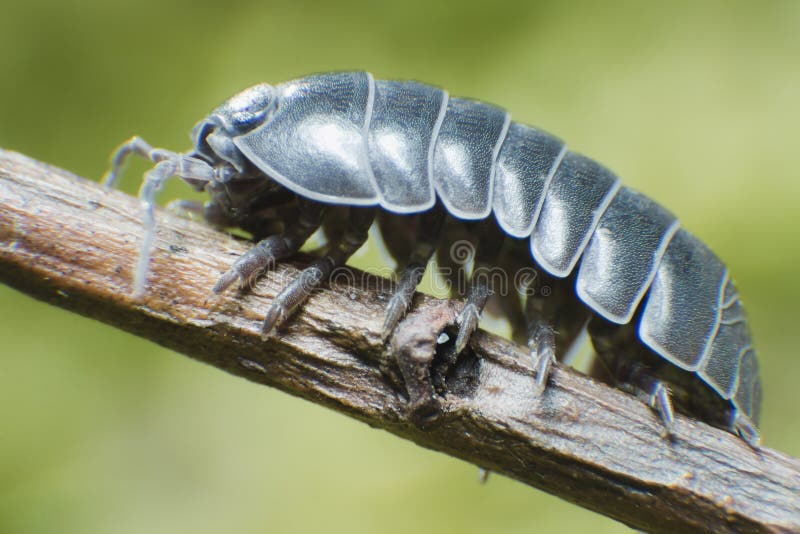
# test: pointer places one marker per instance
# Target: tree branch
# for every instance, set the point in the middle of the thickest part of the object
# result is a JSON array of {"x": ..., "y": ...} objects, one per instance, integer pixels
[{"x": 73, "y": 243}]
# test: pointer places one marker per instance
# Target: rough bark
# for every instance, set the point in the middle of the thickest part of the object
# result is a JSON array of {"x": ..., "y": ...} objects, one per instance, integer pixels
[{"x": 73, "y": 243}]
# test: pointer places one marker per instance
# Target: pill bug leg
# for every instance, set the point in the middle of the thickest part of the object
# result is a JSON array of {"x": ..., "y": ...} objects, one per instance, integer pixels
[
  {"x": 429, "y": 232},
  {"x": 299, "y": 289},
  {"x": 553, "y": 323},
  {"x": 651, "y": 391},
  {"x": 395, "y": 236},
  {"x": 542, "y": 345},
  {"x": 266, "y": 252},
  {"x": 630, "y": 368},
  {"x": 482, "y": 282},
  {"x": 511, "y": 304},
  {"x": 742, "y": 425},
  {"x": 210, "y": 212}
]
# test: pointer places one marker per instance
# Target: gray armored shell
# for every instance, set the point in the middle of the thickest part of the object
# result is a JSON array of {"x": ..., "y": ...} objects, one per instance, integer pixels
[{"x": 343, "y": 138}]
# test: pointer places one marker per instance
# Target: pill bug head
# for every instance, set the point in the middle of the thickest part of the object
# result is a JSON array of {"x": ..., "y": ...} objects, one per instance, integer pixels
[
  {"x": 213, "y": 136},
  {"x": 238, "y": 185}
]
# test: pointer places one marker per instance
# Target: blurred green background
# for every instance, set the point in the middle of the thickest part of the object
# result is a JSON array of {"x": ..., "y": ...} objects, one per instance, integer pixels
[{"x": 695, "y": 103}]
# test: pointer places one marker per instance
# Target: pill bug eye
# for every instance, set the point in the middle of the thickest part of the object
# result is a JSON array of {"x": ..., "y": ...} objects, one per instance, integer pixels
[{"x": 246, "y": 110}]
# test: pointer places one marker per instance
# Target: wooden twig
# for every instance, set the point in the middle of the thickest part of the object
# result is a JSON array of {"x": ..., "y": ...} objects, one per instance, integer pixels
[{"x": 74, "y": 244}]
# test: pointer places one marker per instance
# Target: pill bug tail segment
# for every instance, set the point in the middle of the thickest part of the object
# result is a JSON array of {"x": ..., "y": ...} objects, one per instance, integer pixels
[{"x": 665, "y": 387}]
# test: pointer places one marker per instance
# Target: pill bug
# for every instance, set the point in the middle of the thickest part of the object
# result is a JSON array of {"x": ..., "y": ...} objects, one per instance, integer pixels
[{"x": 660, "y": 308}]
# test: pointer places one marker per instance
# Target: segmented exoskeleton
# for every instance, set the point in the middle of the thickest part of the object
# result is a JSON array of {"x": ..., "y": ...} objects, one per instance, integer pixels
[{"x": 658, "y": 304}]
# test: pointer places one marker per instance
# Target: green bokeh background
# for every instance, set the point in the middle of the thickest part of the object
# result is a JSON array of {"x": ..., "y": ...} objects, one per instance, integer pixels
[{"x": 694, "y": 103}]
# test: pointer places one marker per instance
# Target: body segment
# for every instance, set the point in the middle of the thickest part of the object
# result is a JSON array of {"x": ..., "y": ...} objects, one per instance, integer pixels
[
  {"x": 525, "y": 167},
  {"x": 578, "y": 195},
  {"x": 406, "y": 118},
  {"x": 623, "y": 255},
  {"x": 464, "y": 156}
]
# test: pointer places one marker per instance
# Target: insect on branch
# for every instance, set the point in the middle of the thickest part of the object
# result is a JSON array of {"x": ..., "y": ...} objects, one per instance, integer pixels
[{"x": 74, "y": 244}]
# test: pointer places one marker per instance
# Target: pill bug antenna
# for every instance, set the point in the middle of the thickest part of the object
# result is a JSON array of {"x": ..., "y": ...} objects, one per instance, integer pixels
[
  {"x": 153, "y": 181},
  {"x": 168, "y": 164},
  {"x": 134, "y": 145}
]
